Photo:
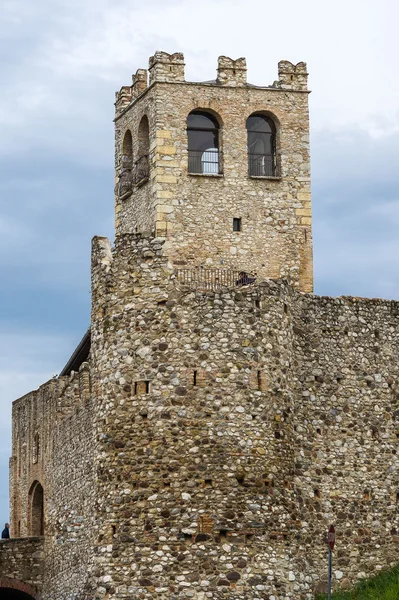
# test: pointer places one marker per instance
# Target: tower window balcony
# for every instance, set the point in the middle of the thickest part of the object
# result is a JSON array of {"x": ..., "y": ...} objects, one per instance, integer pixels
[
  {"x": 141, "y": 171},
  {"x": 261, "y": 165},
  {"x": 204, "y": 162},
  {"x": 203, "y": 144},
  {"x": 261, "y": 132}
]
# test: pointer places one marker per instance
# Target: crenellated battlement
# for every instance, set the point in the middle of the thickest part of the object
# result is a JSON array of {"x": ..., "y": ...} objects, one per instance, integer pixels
[
  {"x": 73, "y": 391},
  {"x": 166, "y": 67},
  {"x": 169, "y": 68},
  {"x": 292, "y": 77},
  {"x": 139, "y": 82},
  {"x": 231, "y": 72},
  {"x": 123, "y": 98}
]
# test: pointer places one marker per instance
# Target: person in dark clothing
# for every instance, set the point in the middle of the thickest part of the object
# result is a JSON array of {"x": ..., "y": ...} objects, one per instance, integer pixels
[
  {"x": 244, "y": 279},
  {"x": 5, "y": 535}
]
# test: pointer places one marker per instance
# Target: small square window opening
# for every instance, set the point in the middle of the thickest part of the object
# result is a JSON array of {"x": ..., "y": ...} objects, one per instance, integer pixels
[{"x": 236, "y": 224}]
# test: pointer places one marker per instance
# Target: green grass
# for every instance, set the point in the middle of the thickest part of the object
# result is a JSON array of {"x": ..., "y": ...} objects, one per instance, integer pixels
[{"x": 384, "y": 586}]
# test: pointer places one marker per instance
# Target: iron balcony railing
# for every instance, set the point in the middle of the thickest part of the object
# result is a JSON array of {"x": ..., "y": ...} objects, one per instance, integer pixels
[
  {"x": 214, "y": 279},
  {"x": 261, "y": 165},
  {"x": 141, "y": 170},
  {"x": 205, "y": 162},
  {"x": 133, "y": 175}
]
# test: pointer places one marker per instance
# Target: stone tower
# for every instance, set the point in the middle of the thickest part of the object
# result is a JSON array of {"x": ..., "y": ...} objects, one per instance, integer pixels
[
  {"x": 220, "y": 169},
  {"x": 210, "y": 424}
]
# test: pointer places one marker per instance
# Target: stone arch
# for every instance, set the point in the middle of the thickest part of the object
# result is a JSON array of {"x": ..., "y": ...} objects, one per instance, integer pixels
[
  {"x": 13, "y": 589},
  {"x": 143, "y": 136},
  {"x": 204, "y": 142},
  {"x": 36, "y": 510},
  {"x": 125, "y": 175},
  {"x": 127, "y": 144},
  {"x": 262, "y": 134},
  {"x": 142, "y": 165}
]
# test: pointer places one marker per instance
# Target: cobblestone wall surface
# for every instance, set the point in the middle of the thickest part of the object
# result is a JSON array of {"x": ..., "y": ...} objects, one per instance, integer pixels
[
  {"x": 71, "y": 506},
  {"x": 195, "y": 212},
  {"x": 347, "y": 431},
  {"x": 240, "y": 424},
  {"x": 193, "y": 463},
  {"x": 53, "y": 445},
  {"x": 22, "y": 565}
]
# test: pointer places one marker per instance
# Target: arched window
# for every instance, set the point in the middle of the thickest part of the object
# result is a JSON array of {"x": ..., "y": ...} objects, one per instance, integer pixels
[
  {"x": 125, "y": 176},
  {"x": 144, "y": 137},
  {"x": 127, "y": 146},
  {"x": 203, "y": 143},
  {"x": 261, "y": 146},
  {"x": 36, "y": 505},
  {"x": 141, "y": 165}
]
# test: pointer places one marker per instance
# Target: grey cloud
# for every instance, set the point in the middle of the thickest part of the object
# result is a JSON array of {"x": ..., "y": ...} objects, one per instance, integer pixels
[
  {"x": 27, "y": 360},
  {"x": 356, "y": 213}
]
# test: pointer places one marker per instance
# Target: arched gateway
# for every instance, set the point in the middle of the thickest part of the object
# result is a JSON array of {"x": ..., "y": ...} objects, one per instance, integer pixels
[
  {"x": 12, "y": 589},
  {"x": 36, "y": 517}
]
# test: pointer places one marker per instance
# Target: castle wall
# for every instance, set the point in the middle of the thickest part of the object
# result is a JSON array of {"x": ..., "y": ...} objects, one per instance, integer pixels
[
  {"x": 22, "y": 565},
  {"x": 194, "y": 418},
  {"x": 195, "y": 212},
  {"x": 71, "y": 506},
  {"x": 347, "y": 432},
  {"x": 226, "y": 429},
  {"x": 60, "y": 416},
  {"x": 32, "y": 417},
  {"x": 236, "y": 426},
  {"x": 141, "y": 204}
]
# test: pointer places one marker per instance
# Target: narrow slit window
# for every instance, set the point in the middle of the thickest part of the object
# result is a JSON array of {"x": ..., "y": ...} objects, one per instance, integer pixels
[
  {"x": 195, "y": 378},
  {"x": 259, "y": 379},
  {"x": 237, "y": 224}
]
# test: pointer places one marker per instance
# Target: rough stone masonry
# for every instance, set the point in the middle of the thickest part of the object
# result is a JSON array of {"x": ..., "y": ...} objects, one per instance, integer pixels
[{"x": 218, "y": 416}]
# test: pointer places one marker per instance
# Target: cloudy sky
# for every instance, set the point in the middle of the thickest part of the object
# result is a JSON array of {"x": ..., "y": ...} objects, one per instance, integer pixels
[{"x": 62, "y": 61}]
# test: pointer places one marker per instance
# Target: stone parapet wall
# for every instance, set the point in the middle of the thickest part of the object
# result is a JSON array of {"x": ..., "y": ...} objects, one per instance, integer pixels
[
  {"x": 347, "y": 431},
  {"x": 35, "y": 417},
  {"x": 70, "y": 506},
  {"x": 60, "y": 416},
  {"x": 22, "y": 565}
]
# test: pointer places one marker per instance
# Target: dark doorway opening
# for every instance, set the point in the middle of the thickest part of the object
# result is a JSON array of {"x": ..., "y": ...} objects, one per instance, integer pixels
[
  {"x": 37, "y": 510},
  {"x": 10, "y": 594}
]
